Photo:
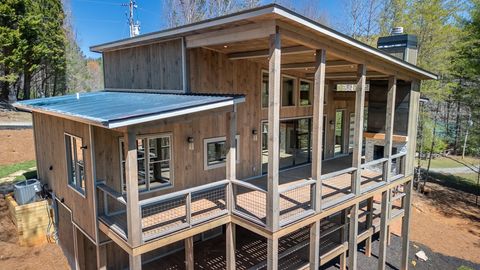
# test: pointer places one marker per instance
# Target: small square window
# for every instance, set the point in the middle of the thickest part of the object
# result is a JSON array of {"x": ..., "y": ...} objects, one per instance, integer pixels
[
  {"x": 306, "y": 93},
  {"x": 288, "y": 91},
  {"x": 75, "y": 162},
  {"x": 215, "y": 152}
]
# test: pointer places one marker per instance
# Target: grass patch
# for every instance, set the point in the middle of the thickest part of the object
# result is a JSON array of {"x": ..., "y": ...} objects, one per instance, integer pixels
[
  {"x": 466, "y": 182},
  {"x": 463, "y": 267},
  {"x": 450, "y": 162},
  {"x": 6, "y": 170}
]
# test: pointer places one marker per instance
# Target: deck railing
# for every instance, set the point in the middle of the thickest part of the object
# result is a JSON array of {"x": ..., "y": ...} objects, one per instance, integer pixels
[
  {"x": 250, "y": 201},
  {"x": 296, "y": 201}
]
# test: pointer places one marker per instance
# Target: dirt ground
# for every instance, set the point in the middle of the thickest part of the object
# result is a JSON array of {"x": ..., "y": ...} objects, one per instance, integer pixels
[
  {"x": 9, "y": 116},
  {"x": 447, "y": 221},
  {"x": 14, "y": 256},
  {"x": 16, "y": 146}
]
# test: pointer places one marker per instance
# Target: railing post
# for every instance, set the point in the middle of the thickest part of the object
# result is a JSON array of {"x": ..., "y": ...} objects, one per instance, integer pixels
[
  {"x": 407, "y": 210},
  {"x": 188, "y": 208},
  {"x": 368, "y": 243}
]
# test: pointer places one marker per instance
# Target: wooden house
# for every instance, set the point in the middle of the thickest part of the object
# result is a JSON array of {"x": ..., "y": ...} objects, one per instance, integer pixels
[{"x": 260, "y": 139}]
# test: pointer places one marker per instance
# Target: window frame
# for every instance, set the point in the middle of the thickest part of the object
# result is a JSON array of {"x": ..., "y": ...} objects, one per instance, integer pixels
[
  {"x": 300, "y": 80},
  {"x": 147, "y": 188},
  {"x": 262, "y": 72},
  {"x": 295, "y": 91},
  {"x": 68, "y": 156},
  {"x": 206, "y": 141}
]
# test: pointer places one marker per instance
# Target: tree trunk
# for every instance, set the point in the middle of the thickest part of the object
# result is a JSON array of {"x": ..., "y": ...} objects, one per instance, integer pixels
[
  {"x": 457, "y": 129},
  {"x": 27, "y": 84},
  {"x": 432, "y": 145}
]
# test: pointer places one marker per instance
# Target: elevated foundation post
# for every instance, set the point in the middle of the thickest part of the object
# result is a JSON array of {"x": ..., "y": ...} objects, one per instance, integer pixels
[{"x": 231, "y": 175}]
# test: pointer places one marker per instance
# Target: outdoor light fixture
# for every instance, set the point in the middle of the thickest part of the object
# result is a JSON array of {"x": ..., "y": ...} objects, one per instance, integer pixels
[
  {"x": 191, "y": 146},
  {"x": 255, "y": 134}
]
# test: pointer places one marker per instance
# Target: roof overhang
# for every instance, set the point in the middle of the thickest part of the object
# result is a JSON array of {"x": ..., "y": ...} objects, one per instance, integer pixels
[
  {"x": 272, "y": 11},
  {"x": 66, "y": 107}
]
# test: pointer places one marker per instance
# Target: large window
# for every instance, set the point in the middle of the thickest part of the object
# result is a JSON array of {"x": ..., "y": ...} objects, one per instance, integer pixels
[
  {"x": 155, "y": 168},
  {"x": 288, "y": 91},
  {"x": 215, "y": 152},
  {"x": 306, "y": 93},
  {"x": 264, "y": 89},
  {"x": 75, "y": 162}
]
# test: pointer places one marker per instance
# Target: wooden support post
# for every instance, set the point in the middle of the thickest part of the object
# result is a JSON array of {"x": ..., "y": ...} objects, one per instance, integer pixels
[
  {"x": 131, "y": 177},
  {"x": 406, "y": 225},
  {"x": 389, "y": 118},
  {"x": 344, "y": 238},
  {"x": 75, "y": 248},
  {"x": 101, "y": 257},
  {"x": 189, "y": 259},
  {"x": 368, "y": 242},
  {"x": 273, "y": 132},
  {"x": 413, "y": 113},
  {"x": 231, "y": 164},
  {"x": 135, "y": 262},
  {"x": 356, "y": 163},
  {"x": 382, "y": 254},
  {"x": 272, "y": 253},
  {"x": 230, "y": 245},
  {"x": 318, "y": 101},
  {"x": 314, "y": 245}
]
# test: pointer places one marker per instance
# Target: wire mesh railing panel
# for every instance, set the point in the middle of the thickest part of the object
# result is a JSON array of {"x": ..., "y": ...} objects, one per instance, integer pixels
[
  {"x": 336, "y": 189},
  {"x": 164, "y": 216},
  {"x": 208, "y": 203},
  {"x": 251, "y": 203},
  {"x": 295, "y": 202}
]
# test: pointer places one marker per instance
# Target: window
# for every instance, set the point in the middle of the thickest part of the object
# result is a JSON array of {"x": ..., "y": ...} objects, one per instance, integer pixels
[
  {"x": 75, "y": 164},
  {"x": 264, "y": 89},
  {"x": 215, "y": 152},
  {"x": 306, "y": 92},
  {"x": 155, "y": 168},
  {"x": 288, "y": 91}
]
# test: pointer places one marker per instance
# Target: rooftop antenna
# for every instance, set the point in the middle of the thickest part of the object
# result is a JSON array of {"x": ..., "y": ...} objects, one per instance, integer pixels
[{"x": 134, "y": 27}]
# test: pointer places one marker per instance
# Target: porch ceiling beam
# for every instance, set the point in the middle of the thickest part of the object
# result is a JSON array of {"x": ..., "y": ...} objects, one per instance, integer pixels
[
  {"x": 304, "y": 38},
  {"x": 265, "y": 53},
  {"x": 334, "y": 63},
  {"x": 349, "y": 75},
  {"x": 230, "y": 35}
]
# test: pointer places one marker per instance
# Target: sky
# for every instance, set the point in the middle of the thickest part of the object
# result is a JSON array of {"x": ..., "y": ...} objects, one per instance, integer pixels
[{"x": 100, "y": 21}]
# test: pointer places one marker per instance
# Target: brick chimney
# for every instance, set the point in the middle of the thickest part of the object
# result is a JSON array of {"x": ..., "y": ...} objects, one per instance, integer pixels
[{"x": 400, "y": 45}]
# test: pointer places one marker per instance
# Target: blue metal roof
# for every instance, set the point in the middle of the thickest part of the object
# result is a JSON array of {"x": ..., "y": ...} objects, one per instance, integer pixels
[{"x": 121, "y": 108}]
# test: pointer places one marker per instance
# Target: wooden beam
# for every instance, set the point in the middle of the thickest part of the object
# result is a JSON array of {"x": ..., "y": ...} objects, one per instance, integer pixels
[
  {"x": 101, "y": 251},
  {"x": 407, "y": 212},
  {"x": 273, "y": 132},
  {"x": 329, "y": 64},
  {"x": 358, "y": 128},
  {"x": 344, "y": 239},
  {"x": 368, "y": 243},
  {"x": 231, "y": 35},
  {"x": 272, "y": 254},
  {"x": 413, "y": 114},
  {"x": 135, "y": 262},
  {"x": 230, "y": 245},
  {"x": 348, "y": 75},
  {"x": 265, "y": 53},
  {"x": 314, "y": 249},
  {"x": 389, "y": 120},
  {"x": 318, "y": 101},
  {"x": 131, "y": 177},
  {"x": 352, "y": 238},
  {"x": 189, "y": 259},
  {"x": 231, "y": 163},
  {"x": 382, "y": 253}
]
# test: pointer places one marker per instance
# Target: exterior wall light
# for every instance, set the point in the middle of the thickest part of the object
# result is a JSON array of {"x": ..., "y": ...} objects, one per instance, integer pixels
[
  {"x": 255, "y": 134},
  {"x": 191, "y": 145}
]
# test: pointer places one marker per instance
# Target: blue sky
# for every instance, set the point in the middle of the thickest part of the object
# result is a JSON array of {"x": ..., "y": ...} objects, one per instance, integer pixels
[{"x": 99, "y": 21}]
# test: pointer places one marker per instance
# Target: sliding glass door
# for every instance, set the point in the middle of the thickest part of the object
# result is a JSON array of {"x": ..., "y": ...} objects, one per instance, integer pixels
[{"x": 295, "y": 143}]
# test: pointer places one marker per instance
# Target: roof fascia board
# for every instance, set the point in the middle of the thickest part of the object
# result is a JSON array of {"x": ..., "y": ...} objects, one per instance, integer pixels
[
  {"x": 183, "y": 29},
  {"x": 295, "y": 17}
]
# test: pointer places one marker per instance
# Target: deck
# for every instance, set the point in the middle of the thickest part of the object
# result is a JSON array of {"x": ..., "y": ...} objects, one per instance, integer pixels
[{"x": 185, "y": 209}]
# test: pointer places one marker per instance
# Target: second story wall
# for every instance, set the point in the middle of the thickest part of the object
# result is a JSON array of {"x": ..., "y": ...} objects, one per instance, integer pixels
[{"x": 152, "y": 66}]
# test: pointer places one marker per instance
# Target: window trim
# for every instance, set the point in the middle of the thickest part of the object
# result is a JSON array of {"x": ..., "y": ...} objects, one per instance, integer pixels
[
  {"x": 295, "y": 90},
  {"x": 300, "y": 80},
  {"x": 262, "y": 71},
  {"x": 206, "y": 141},
  {"x": 81, "y": 191},
  {"x": 147, "y": 188}
]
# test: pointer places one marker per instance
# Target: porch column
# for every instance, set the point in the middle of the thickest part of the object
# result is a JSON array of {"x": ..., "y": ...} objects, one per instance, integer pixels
[
  {"x": 344, "y": 239},
  {"x": 189, "y": 259},
  {"x": 407, "y": 208},
  {"x": 317, "y": 150},
  {"x": 273, "y": 146},
  {"x": 356, "y": 163},
  {"x": 368, "y": 243},
  {"x": 387, "y": 153},
  {"x": 413, "y": 114},
  {"x": 101, "y": 251},
  {"x": 231, "y": 175},
  {"x": 134, "y": 231}
]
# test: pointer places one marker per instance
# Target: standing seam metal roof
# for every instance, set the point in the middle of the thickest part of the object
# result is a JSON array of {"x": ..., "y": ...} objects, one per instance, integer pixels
[{"x": 107, "y": 107}]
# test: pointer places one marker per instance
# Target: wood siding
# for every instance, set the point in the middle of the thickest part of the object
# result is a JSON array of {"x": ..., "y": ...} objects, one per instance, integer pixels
[
  {"x": 153, "y": 66},
  {"x": 52, "y": 166}
]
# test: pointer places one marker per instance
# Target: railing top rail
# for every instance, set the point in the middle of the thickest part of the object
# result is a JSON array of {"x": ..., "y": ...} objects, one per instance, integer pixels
[
  {"x": 373, "y": 162},
  {"x": 401, "y": 154},
  {"x": 248, "y": 185},
  {"x": 337, "y": 173},
  {"x": 300, "y": 184},
  {"x": 182, "y": 192},
  {"x": 111, "y": 192}
]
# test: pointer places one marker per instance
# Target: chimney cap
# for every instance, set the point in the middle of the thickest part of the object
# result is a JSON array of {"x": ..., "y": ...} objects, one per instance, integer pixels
[{"x": 398, "y": 30}]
